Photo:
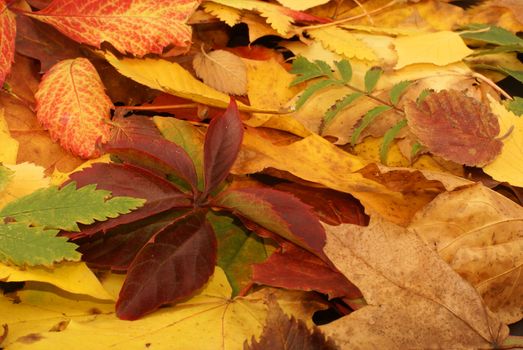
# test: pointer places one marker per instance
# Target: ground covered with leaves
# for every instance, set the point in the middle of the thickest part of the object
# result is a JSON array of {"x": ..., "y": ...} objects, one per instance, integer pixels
[{"x": 247, "y": 174}]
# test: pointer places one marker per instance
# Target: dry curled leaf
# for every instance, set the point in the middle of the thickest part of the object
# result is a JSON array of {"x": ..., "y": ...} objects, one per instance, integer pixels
[
  {"x": 222, "y": 70},
  {"x": 456, "y": 127},
  {"x": 71, "y": 103}
]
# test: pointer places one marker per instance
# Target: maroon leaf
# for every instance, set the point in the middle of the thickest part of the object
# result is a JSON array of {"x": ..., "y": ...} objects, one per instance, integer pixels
[
  {"x": 296, "y": 268},
  {"x": 134, "y": 143},
  {"x": 278, "y": 212},
  {"x": 222, "y": 144},
  {"x": 178, "y": 261},
  {"x": 129, "y": 180}
]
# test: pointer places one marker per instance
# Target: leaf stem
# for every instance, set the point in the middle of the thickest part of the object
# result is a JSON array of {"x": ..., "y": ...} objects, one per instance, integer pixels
[{"x": 377, "y": 99}]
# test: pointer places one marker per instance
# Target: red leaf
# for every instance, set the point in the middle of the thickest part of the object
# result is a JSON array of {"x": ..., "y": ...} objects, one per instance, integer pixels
[
  {"x": 7, "y": 40},
  {"x": 455, "y": 127},
  {"x": 277, "y": 212},
  {"x": 296, "y": 268},
  {"x": 134, "y": 142},
  {"x": 222, "y": 144},
  {"x": 72, "y": 104},
  {"x": 135, "y": 26},
  {"x": 179, "y": 261},
  {"x": 129, "y": 180}
]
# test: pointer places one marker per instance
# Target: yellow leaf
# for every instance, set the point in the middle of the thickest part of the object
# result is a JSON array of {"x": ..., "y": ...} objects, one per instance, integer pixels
[
  {"x": 478, "y": 232},
  {"x": 170, "y": 77},
  {"x": 507, "y": 167},
  {"x": 58, "y": 177},
  {"x": 229, "y": 15},
  {"x": 302, "y": 4},
  {"x": 208, "y": 320},
  {"x": 71, "y": 277},
  {"x": 26, "y": 179},
  {"x": 343, "y": 43},
  {"x": 8, "y": 145},
  {"x": 440, "y": 48},
  {"x": 221, "y": 70},
  {"x": 415, "y": 299}
]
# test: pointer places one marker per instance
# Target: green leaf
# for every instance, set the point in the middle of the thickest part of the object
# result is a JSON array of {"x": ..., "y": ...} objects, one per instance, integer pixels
[
  {"x": 324, "y": 68},
  {"x": 305, "y": 70},
  {"x": 345, "y": 69},
  {"x": 371, "y": 78},
  {"x": 312, "y": 89},
  {"x": 422, "y": 95},
  {"x": 5, "y": 176},
  {"x": 397, "y": 90},
  {"x": 367, "y": 119},
  {"x": 63, "y": 208},
  {"x": 21, "y": 245},
  {"x": 516, "y": 105},
  {"x": 416, "y": 147},
  {"x": 337, "y": 107},
  {"x": 491, "y": 34},
  {"x": 238, "y": 249},
  {"x": 389, "y": 136},
  {"x": 516, "y": 74}
]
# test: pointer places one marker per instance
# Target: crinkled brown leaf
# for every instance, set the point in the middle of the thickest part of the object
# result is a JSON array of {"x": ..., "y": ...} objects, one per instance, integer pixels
[{"x": 455, "y": 127}]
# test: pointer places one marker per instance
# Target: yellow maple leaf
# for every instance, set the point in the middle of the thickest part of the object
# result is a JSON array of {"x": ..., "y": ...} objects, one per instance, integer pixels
[
  {"x": 26, "y": 179},
  {"x": 440, "y": 48},
  {"x": 507, "y": 166},
  {"x": 8, "y": 145}
]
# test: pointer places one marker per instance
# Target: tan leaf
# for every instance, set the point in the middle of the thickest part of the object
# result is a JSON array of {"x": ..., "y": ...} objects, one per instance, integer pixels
[
  {"x": 480, "y": 234},
  {"x": 416, "y": 301},
  {"x": 222, "y": 70}
]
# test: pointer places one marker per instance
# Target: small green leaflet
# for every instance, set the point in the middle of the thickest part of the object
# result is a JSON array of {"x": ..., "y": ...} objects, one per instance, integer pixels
[
  {"x": 516, "y": 105},
  {"x": 62, "y": 209},
  {"x": 5, "y": 176},
  {"x": 397, "y": 90},
  {"x": 312, "y": 89},
  {"x": 516, "y": 74},
  {"x": 491, "y": 34},
  {"x": 305, "y": 70},
  {"x": 371, "y": 78},
  {"x": 422, "y": 95},
  {"x": 337, "y": 107},
  {"x": 416, "y": 147},
  {"x": 367, "y": 119},
  {"x": 22, "y": 245},
  {"x": 389, "y": 136},
  {"x": 345, "y": 69}
]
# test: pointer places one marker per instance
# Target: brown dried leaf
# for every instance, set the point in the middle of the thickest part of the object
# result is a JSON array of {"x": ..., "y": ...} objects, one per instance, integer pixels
[
  {"x": 480, "y": 234},
  {"x": 416, "y": 301},
  {"x": 455, "y": 127},
  {"x": 222, "y": 70}
]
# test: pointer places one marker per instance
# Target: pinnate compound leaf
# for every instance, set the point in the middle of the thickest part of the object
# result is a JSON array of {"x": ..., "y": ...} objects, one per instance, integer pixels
[
  {"x": 178, "y": 260},
  {"x": 138, "y": 27},
  {"x": 371, "y": 78},
  {"x": 312, "y": 89},
  {"x": 456, "y": 127},
  {"x": 72, "y": 104},
  {"x": 345, "y": 69},
  {"x": 491, "y": 34},
  {"x": 7, "y": 40},
  {"x": 305, "y": 70},
  {"x": 516, "y": 74},
  {"x": 367, "y": 120},
  {"x": 222, "y": 144},
  {"x": 63, "y": 208},
  {"x": 397, "y": 90},
  {"x": 516, "y": 106},
  {"x": 22, "y": 245},
  {"x": 393, "y": 266},
  {"x": 389, "y": 136},
  {"x": 277, "y": 212},
  {"x": 339, "y": 106},
  {"x": 222, "y": 70}
]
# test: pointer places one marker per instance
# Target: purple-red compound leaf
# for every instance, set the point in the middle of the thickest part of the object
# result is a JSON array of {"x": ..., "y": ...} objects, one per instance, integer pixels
[
  {"x": 132, "y": 181},
  {"x": 178, "y": 261},
  {"x": 277, "y": 212},
  {"x": 222, "y": 144}
]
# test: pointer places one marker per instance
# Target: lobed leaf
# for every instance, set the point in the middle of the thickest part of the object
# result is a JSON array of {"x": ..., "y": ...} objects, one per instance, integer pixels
[
  {"x": 7, "y": 40},
  {"x": 175, "y": 263},
  {"x": 21, "y": 244},
  {"x": 138, "y": 27},
  {"x": 312, "y": 89},
  {"x": 397, "y": 90},
  {"x": 389, "y": 136},
  {"x": 63, "y": 208},
  {"x": 367, "y": 119},
  {"x": 72, "y": 104},
  {"x": 371, "y": 78},
  {"x": 222, "y": 144}
]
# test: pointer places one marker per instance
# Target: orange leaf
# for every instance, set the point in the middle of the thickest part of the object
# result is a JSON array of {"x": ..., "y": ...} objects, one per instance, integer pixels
[
  {"x": 135, "y": 26},
  {"x": 71, "y": 103},
  {"x": 7, "y": 40}
]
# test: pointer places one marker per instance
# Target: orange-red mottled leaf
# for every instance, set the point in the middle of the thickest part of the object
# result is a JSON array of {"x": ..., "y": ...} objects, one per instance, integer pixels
[
  {"x": 71, "y": 103},
  {"x": 7, "y": 40},
  {"x": 134, "y": 26},
  {"x": 456, "y": 127}
]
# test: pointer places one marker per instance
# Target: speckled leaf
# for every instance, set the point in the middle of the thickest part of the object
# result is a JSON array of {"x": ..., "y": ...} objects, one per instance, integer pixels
[
  {"x": 72, "y": 104},
  {"x": 134, "y": 26},
  {"x": 456, "y": 127},
  {"x": 7, "y": 40}
]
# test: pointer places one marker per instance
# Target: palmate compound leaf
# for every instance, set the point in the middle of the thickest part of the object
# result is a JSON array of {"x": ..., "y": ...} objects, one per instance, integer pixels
[
  {"x": 138, "y": 27},
  {"x": 176, "y": 262},
  {"x": 72, "y": 104},
  {"x": 63, "y": 208},
  {"x": 23, "y": 245},
  {"x": 7, "y": 40},
  {"x": 456, "y": 127}
]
